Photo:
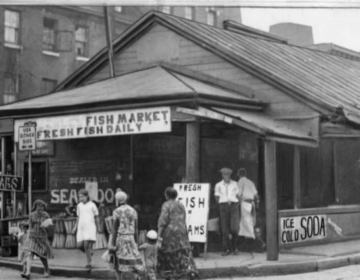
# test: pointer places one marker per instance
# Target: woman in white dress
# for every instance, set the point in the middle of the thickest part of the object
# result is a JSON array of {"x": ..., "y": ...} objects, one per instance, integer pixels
[{"x": 86, "y": 225}]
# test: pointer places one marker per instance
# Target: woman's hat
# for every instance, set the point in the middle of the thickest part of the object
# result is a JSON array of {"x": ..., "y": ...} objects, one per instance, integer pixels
[
  {"x": 151, "y": 234},
  {"x": 120, "y": 197},
  {"x": 38, "y": 202}
]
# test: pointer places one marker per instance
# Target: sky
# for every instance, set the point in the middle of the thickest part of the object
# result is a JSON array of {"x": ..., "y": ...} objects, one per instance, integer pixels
[{"x": 338, "y": 26}]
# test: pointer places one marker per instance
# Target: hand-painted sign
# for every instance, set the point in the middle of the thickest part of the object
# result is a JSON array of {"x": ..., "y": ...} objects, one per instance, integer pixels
[
  {"x": 147, "y": 120},
  {"x": 302, "y": 228},
  {"x": 195, "y": 198},
  {"x": 27, "y": 138},
  {"x": 11, "y": 183},
  {"x": 44, "y": 148}
]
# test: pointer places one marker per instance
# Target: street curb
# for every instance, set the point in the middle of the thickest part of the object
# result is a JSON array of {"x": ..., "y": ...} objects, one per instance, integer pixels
[{"x": 266, "y": 269}]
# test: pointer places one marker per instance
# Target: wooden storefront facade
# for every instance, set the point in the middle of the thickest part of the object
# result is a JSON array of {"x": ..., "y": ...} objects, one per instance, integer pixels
[{"x": 236, "y": 100}]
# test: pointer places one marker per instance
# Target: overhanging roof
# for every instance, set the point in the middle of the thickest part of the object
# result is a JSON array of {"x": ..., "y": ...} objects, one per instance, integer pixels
[
  {"x": 325, "y": 82},
  {"x": 154, "y": 83}
]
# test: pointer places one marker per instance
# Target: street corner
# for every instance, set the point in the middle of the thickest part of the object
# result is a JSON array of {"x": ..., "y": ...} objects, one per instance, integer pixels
[
  {"x": 282, "y": 268},
  {"x": 335, "y": 262}
]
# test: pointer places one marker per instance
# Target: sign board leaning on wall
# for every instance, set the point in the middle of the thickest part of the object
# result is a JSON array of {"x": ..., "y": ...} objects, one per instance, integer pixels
[
  {"x": 195, "y": 198},
  {"x": 302, "y": 228},
  {"x": 11, "y": 183},
  {"x": 147, "y": 120}
]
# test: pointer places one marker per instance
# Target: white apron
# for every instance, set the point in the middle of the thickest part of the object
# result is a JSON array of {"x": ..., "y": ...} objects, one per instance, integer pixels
[{"x": 247, "y": 219}]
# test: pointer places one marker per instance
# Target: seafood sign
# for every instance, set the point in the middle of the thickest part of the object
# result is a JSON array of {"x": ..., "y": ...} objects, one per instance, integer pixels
[
  {"x": 195, "y": 198},
  {"x": 147, "y": 120}
]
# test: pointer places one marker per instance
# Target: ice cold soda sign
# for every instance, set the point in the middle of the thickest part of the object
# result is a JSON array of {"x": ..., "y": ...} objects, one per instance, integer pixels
[
  {"x": 195, "y": 198},
  {"x": 302, "y": 228}
]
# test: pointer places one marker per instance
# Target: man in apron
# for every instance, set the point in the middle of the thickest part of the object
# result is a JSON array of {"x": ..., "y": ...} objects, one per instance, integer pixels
[{"x": 248, "y": 198}]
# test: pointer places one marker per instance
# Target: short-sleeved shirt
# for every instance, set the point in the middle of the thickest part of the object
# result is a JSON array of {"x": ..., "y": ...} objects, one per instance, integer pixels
[
  {"x": 227, "y": 193},
  {"x": 150, "y": 253},
  {"x": 127, "y": 217},
  {"x": 247, "y": 189}
]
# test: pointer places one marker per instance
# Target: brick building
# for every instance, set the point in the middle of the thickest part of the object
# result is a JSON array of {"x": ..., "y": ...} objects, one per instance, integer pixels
[{"x": 41, "y": 45}]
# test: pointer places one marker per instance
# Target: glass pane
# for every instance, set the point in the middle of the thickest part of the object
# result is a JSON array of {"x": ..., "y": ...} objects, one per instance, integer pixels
[
  {"x": 80, "y": 34},
  {"x": 48, "y": 39},
  {"x": 12, "y": 19},
  {"x": 118, "y": 9},
  {"x": 10, "y": 35},
  {"x": 211, "y": 18},
  {"x": 188, "y": 12},
  {"x": 80, "y": 49},
  {"x": 166, "y": 9}
]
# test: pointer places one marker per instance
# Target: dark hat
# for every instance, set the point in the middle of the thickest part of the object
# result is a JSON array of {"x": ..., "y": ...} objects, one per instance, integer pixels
[{"x": 38, "y": 202}]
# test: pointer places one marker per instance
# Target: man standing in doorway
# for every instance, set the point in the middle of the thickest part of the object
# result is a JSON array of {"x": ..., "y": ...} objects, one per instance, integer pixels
[
  {"x": 226, "y": 195},
  {"x": 248, "y": 198}
]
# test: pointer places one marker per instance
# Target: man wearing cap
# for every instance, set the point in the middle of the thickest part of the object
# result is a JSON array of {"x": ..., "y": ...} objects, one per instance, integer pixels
[{"x": 226, "y": 195}]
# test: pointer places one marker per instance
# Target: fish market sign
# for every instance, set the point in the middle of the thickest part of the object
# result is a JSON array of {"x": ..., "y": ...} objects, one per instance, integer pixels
[
  {"x": 302, "y": 228},
  {"x": 124, "y": 122}
]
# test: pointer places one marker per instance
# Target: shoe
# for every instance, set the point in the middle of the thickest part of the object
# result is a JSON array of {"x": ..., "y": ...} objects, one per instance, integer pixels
[
  {"x": 88, "y": 267},
  {"x": 236, "y": 252},
  {"x": 226, "y": 253},
  {"x": 26, "y": 276}
]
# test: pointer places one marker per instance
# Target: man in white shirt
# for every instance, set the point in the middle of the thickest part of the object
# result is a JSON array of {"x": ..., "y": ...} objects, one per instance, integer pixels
[
  {"x": 248, "y": 198},
  {"x": 226, "y": 195}
]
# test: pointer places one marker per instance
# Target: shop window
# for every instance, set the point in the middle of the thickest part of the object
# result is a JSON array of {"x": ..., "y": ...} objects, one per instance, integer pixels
[
  {"x": 11, "y": 87},
  {"x": 166, "y": 9},
  {"x": 49, "y": 34},
  {"x": 317, "y": 175},
  {"x": 39, "y": 175},
  {"x": 347, "y": 171},
  {"x": 12, "y": 27},
  {"x": 285, "y": 175},
  {"x": 189, "y": 13},
  {"x": 211, "y": 17},
  {"x": 48, "y": 85},
  {"x": 118, "y": 9},
  {"x": 81, "y": 41}
]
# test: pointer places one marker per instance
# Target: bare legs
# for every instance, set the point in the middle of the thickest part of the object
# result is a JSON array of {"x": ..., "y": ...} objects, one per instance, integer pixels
[
  {"x": 86, "y": 247},
  {"x": 29, "y": 261}
]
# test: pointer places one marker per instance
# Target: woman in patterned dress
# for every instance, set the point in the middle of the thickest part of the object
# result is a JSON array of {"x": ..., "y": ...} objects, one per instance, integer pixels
[
  {"x": 174, "y": 257},
  {"x": 38, "y": 239},
  {"x": 123, "y": 242}
]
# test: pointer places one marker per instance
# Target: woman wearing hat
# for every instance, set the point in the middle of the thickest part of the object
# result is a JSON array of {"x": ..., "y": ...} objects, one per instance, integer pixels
[
  {"x": 38, "y": 238},
  {"x": 123, "y": 243},
  {"x": 175, "y": 257}
]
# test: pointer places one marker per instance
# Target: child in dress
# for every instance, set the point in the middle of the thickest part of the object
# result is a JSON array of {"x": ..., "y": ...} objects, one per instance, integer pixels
[
  {"x": 150, "y": 249},
  {"x": 86, "y": 225},
  {"x": 23, "y": 240}
]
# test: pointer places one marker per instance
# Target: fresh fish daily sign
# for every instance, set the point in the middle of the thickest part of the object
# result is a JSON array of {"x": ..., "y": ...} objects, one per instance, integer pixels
[
  {"x": 195, "y": 198},
  {"x": 137, "y": 121}
]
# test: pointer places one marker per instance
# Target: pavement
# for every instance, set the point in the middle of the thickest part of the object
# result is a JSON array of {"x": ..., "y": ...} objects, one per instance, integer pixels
[{"x": 71, "y": 262}]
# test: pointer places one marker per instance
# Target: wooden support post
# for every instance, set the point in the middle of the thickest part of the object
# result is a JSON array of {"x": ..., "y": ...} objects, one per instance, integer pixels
[
  {"x": 297, "y": 178},
  {"x": 271, "y": 202},
  {"x": 193, "y": 152},
  {"x": 3, "y": 170}
]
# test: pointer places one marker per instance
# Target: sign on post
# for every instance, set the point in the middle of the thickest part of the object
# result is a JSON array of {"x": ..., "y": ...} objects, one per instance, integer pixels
[
  {"x": 195, "y": 198},
  {"x": 27, "y": 138},
  {"x": 302, "y": 228}
]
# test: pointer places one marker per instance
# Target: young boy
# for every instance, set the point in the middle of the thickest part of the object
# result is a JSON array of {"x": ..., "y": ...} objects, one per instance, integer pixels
[
  {"x": 86, "y": 225},
  {"x": 23, "y": 239},
  {"x": 150, "y": 249}
]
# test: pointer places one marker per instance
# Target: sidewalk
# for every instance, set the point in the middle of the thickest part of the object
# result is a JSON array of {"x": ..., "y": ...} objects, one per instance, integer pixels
[{"x": 297, "y": 260}]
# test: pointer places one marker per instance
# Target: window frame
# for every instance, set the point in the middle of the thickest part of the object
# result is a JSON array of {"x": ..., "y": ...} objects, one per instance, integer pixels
[
  {"x": 45, "y": 80},
  {"x": 86, "y": 42},
  {"x": 25, "y": 173},
  {"x": 54, "y": 30},
  {"x": 17, "y": 29},
  {"x": 14, "y": 77},
  {"x": 192, "y": 17},
  {"x": 214, "y": 14}
]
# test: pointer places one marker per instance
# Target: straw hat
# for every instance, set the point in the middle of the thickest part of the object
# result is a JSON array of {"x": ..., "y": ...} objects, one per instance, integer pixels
[
  {"x": 121, "y": 197},
  {"x": 151, "y": 234},
  {"x": 225, "y": 171}
]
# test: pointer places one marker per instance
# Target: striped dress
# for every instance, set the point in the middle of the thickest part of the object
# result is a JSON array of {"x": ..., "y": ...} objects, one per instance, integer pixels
[{"x": 38, "y": 238}]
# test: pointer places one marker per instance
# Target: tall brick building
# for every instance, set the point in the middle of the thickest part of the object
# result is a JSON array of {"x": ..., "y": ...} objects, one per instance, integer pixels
[{"x": 41, "y": 45}]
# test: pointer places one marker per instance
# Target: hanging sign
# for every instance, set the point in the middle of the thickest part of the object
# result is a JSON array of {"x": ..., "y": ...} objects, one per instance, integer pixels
[
  {"x": 302, "y": 228},
  {"x": 11, "y": 183},
  {"x": 195, "y": 198},
  {"x": 27, "y": 138},
  {"x": 147, "y": 120}
]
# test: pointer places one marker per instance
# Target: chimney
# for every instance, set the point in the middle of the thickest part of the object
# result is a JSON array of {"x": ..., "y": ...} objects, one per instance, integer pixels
[{"x": 296, "y": 34}]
